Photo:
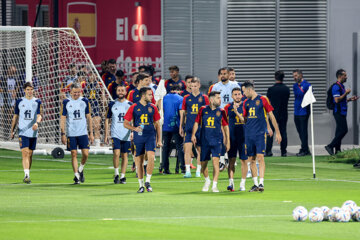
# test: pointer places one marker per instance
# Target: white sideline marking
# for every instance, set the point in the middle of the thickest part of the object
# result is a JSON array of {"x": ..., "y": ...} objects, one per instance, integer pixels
[
  {"x": 184, "y": 181},
  {"x": 51, "y": 160},
  {"x": 141, "y": 218}
]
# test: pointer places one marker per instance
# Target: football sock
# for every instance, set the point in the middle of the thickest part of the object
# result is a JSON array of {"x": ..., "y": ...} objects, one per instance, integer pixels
[
  {"x": 141, "y": 182},
  {"x": 97, "y": 142},
  {"x": 242, "y": 183},
  {"x": 187, "y": 167},
  {"x": 148, "y": 177},
  {"x": 256, "y": 181},
  {"x": 145, "y": 163},
  {"x": 222, "y": 159},
  {"x": 77, "y": 175},
  {"x": 214, "y": 184},
  {"x": 262, "y": 181},
  {"x": 122, "y": 175},
  {"x": 198, "y": 169},
  {"x": 116, "y": 171},
  {"x": 231, "y": 181},
  {"x": 207, "y": 179},
  {"x": 81, "y": 168},
  {"x": 27, "y": 172}
]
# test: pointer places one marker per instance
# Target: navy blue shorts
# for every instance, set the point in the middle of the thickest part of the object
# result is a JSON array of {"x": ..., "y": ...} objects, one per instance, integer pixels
[
  {"x": 81, "y": 142},
  {"x": 124, "y": 146},
  {"x": 255, "y": 145},
  {"x": 145, "y": 144},
  {"x": 187, "y": 137},
  {"x": 26, "y": 142},
  {"x": 206, "y": 150},
  {"x": 237, "y": 146},
  {"x": 95, "y": 110}
]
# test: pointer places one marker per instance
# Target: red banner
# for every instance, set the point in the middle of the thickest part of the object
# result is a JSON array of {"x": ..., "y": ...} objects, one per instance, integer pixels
[{"x": 126, "y": 30}]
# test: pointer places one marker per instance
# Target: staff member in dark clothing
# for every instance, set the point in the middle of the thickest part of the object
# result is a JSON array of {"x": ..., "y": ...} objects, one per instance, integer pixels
[
  {"x": 279, "y": 97},
  {"x": 301, "y": 115},
  {"x": 340, "y": 110}
]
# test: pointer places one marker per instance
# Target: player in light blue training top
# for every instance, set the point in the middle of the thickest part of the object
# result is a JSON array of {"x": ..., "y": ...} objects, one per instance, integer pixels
[
  {"x": 76, "y": 115},
  {"x": 120, "y": 135},
  {"x": 28, "y": 112}
]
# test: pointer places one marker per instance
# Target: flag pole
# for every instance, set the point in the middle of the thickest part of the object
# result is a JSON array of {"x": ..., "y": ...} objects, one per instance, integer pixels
[{"x": 312, "y": 139}]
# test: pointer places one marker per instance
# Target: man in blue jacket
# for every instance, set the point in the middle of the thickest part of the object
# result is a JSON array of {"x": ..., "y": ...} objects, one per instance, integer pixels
[
  {"x": 172, "y": 105},
  {"x": 301, "y": 115}
]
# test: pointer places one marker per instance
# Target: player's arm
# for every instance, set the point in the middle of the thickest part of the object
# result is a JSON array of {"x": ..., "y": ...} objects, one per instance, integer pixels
[
  {"x": 62, "y": 129},
  {"x": 274, "y": 123},
  {"x": 129, "y": 118},
  {"x": 158, "y": 133},
  {"x": 270, "y": 131},
  {"x": 106, "y": 131},
  {"x": 182, "y": 121},
  {"x": 39, "y": 113},
  {"x": 13, "y": 124},
  {"x": 89, "y": 120},
  {"x": 196, "y": 125},
  {"x": 225, "y": 125}
]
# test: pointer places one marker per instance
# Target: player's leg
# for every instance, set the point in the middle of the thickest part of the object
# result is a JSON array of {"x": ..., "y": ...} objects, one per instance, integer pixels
[
  {"x": 125, "y": 150},
  {"x": 187, "y": 156},
  {"x": 231, "y": 171},
  {"x": 150, "y": 168},
  {"x": 26, "y": 164},
  {"x": 216, "y": 171},
  {"x": 74, "y": 162},
  {"x": 244, "y": 164},
  {"x": 116, "y": 156},
  {"x": 139, "y": 161},
  {"x": 260, "y": 150},
  {"x": 251, "y": 153},
  {"x": 198, "y": 167},
  {"x": 204, "y": 158}
]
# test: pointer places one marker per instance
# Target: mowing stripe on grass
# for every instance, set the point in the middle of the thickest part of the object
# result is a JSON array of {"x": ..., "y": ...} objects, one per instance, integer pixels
[{"x": 143, "y": 218}]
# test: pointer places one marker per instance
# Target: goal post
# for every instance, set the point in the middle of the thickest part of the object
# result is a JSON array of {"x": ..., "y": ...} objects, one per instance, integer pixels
[{"x": 51, "y": 58}]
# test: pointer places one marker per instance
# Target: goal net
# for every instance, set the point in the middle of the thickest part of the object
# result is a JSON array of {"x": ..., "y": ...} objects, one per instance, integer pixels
[{"x": 52, "y": 58}]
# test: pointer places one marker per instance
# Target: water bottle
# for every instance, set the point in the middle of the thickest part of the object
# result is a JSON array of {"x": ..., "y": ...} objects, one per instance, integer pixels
[{"x": 142, "y": 127}]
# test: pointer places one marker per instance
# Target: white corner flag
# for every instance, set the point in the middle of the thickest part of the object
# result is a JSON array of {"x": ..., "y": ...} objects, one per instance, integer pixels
[
  {"x": 159, "y": 95},
  {"x": 310, "y": 99}
]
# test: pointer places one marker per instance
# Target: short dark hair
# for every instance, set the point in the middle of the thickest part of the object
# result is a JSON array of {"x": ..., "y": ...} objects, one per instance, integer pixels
[
  {"x": 213, "y": 93},
  {"x": 111, "y": 61},
  {"x": 140, "y": 77},
  {"x": 143, "y": 90},
  {"x": 248, "y": 84},
  {"x": 175, "y": 87},
  {"x": 279, "y": 75},
  {"x": 230, "y": 69},
  {"x": 188, "y": 77},
  {"x": 174, "y": 67},
  {"x": 120, "y": 85},
  {"x": 195, "y": 80},
  {"x": 222, "y": 69},
  {"x": 119, "y": 73},
  {"x": 28, "y": 84},
  {"x": 340, "y": 72},
  {"x": 298, "y": 71},
  {"x": 142, "y": 66},
  {"x": 235, "y": 89},
  {"x": 75, "y": 85},
  {"x": 134, "y": 73}
]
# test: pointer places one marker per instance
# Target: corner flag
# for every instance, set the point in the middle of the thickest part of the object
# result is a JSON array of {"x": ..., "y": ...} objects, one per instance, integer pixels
[{"x": 308, "y": 98}]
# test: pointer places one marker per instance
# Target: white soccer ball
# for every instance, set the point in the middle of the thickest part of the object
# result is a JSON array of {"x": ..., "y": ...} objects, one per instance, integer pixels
[
  {"x": 356, "y": 215},
  {"x": 300, "y": 213},
  {"x": 316, "y": 215},
  {"x": 332, "y": 214},
  {"x": 325, "y": 211},
  {"x": 342, "y": 216},
  {"x": 349, "y": 202}
]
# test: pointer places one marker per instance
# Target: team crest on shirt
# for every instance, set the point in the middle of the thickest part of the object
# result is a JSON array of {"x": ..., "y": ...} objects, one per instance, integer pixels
[
  {"x": 137, "y": 95},
  {"x": 218, "y": 113},
  {"x": 170, "y": 84},
  {"x": 138, "y": 110},
  {"x": 257, "y": 102},
  {"x": 189, "y": 100},
  {"x": 206, "y": 112},
  {"x": 200, "y": 99},
  {"x": 150, "y": 109}
]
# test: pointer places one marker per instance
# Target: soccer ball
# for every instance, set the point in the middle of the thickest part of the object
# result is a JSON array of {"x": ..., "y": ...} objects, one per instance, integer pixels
[
  {"x": 342, "y": 216},
  {"x": 300, "y": 213},
  {"x": 316, "y": 215},
  {"x": 332, "y": 214},
  {"x": 325, "y": 211},
  {"x": 349, "y": 202},
  {"x": 356, "y": 215}
]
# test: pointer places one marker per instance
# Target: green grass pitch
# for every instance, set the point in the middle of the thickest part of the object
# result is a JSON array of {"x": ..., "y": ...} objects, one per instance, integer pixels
[{"x": 52, "y": 208}]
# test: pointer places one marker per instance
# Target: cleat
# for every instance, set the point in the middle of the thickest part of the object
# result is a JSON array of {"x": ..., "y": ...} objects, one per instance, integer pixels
[
  {"x": 166, "y": 172},
  {"x": 230, "y": 188},
  {"x": 221, "y": 167},
  {"x": 123, "y": 180},
  {"x": 82, "y": 178},
  {"x": 187, "y": 175},
  {"x": 197, "y": 174},
  {"x": 148, "y": 187},
  {"x": 116, "y": 179},
  {"x": 27, "y": 180},
  {"x": 192, "y": 166},
  {"x": 242, "y": 189},
  {"x": 206, "y": 187},
  {"x": 254, "y": 189},
  {"x": 329, "y": 150},
  {"x": 215, "y": 189},
  {"x": 261, "y": 188},
  {"x": 141, "y": 190},
  {"x": 357, "y": 165},
  {"x": 76, "y": 180}
]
